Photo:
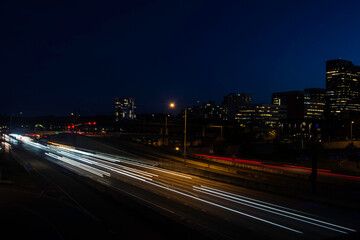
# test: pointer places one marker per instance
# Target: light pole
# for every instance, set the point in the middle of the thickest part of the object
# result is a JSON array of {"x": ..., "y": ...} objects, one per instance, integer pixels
[
  {"x": 185, "y": 133},
  {"x": 185, "y": 136},
  {"x": 352, "y": 122},
  {"x": 171, "y": 105}
]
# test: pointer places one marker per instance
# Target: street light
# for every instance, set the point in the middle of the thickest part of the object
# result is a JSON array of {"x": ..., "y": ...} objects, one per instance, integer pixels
[
  {"x": 185, "y": 136},
  {"x": 185, "y": 133},
  {"x": 171, "y": 105},
  {"x": 352, "y": 122}
]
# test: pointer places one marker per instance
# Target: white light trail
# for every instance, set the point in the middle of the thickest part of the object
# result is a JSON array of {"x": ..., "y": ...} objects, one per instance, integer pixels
[
  {"x": 117, "y": 169},
  {"x": 124, "y": 160},
  {"x": 108, "y": 163},
  {"x": 80, "y": 165},
  {"x": 241, "y": 199},
  {"x": 149, "y": 181},
  {"x": 227, "y": 208},
  {"x": 145, "y": 166},
  {"x": 263, "y": 208}
]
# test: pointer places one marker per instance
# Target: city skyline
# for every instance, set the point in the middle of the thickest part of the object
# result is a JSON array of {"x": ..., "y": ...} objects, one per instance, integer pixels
[
  {"x": 202, "y": 51},
  {"x": 157, "y": 119},
  {"x": 222, "y": 102}
]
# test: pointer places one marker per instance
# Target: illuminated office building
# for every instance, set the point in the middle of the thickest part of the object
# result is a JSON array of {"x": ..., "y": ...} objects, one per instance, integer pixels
[
  {"x": 260, "y": 114},
  {"x": 237, "y": 98},
  {"x": 314, "y": 103},
  {"x": 342, "y": 88},
  {"x": 302, "y": 105},
  {"x": 209, "y": 110},
  {"x": 124, "y": 108},
  {"x": 293, "y": 101},
  {"x": 232, "y": 102}
]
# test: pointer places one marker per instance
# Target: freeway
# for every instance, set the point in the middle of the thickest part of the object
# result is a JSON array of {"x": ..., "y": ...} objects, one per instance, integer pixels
[
  {"x": 324, "y": 174},
  {"x": 221, "y": 210}
]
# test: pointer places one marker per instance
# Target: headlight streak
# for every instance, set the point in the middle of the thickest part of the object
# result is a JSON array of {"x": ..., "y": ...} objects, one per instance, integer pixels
[
  {"x": 87, "y": 168},
  {"x": 124, "y": 160},
  {"x": 6, "y": 137},
  {"x": 129, "y": 174},
  {"x": 263, "y": 207},
  {"x": 148, "y": 167},
  {"x": 103, "y": 161},
  {"x": 16, "y": 136},
  {"x": 114, "y": 169},
  {"x": 149, "y": 181},
  {"x": 38, "y": 145},
  {"x": 252, "y": 199},
  {"x": 226, "y": 208},
  {"x": 112, "y": 165},
  {"x": 131, "y": 162},
  {"x": 74, "y": 150},
  {"x": 255, "y": 200}
]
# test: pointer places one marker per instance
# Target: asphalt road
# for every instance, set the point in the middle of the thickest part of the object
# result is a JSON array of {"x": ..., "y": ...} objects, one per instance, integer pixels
[{"x": 217, "y": 209}]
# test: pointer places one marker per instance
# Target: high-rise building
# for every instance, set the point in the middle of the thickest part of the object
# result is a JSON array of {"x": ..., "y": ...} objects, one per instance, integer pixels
[
  {"x": 237, "y": 98},
  {"x": 124, "y": 108},
  {"x": 209, "y": 110},
  {"x": 314, "y": 103},
  {"x": 302, "y": 105},
  {"x": 293, "y": 100},
  {"x": 232, "y": 102},
  {"x": 260, "y": 114},
  {"x": 342, "y": 88}
]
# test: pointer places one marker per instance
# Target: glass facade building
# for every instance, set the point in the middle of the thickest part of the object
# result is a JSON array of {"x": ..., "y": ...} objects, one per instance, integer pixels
[
  {"x": 260, "y": 114},
  {"x": 124, "y": 108},
  {"x": 314, "y": 103},
  {"x": 232, "y": 102},
  {"x": 302, "y": 105},
  {"x": 342, "y": 88}
]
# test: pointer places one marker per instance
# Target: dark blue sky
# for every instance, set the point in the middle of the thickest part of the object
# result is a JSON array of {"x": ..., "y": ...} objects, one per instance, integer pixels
[{"x": 58, "y": 56}]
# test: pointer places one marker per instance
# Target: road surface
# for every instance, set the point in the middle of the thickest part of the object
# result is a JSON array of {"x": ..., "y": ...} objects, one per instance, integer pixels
[{"x": 221, "y": 210}]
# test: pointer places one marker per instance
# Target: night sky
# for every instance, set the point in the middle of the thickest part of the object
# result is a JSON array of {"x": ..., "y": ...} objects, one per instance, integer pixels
[{"x": 60, "y": 55}]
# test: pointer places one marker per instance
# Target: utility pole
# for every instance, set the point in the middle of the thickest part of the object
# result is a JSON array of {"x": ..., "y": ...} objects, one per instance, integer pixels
[
  {"x": 166, "y": 129},
  {"x": 171, "y": 105},
  {"x": 164, "y": 133},
  {"x": 185, "y": 136}
]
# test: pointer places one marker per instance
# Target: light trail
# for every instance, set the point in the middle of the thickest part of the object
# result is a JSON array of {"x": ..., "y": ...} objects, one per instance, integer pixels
[
  {"x": 124, "y": 160},
  {"x": 273, "y": 210},
  {"x": 87, "y": 168},
  {"x": 239, "y": 196},
  {"x": 307, "y": 168},
  {"x": 227, "y": 208},
  {"x": 105, "y": 165},
  {"x": 251, "y": 199},
  {"x": 149, "y": 181},
  {"x": 230, "y": 159},
  {"x": 109, "y": 167},
  {"x": 258, "y": 163},
  {"x": 112, "y": 164},
  {"x": 129, "y": 174},
  {"x": 129, "y": 161}
]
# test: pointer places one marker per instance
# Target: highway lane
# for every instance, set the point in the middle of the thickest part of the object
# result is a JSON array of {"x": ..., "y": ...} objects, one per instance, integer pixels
[
  {"x": 323, "y": 174},
  {"x": 122, "y": 218},
  {"x": 228, "y": 203}
]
